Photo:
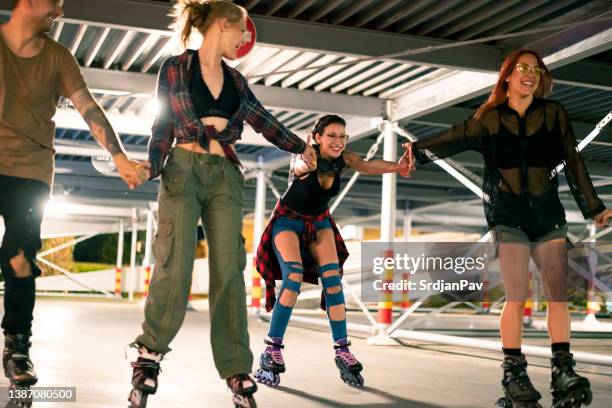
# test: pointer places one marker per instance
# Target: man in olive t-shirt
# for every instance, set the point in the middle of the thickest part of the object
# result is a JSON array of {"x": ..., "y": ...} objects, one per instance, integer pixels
[{"x": 34, "y": 72}]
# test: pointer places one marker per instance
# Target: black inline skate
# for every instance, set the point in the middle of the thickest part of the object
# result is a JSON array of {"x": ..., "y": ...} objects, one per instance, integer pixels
[
  {"x": 518, "y": 390},
  {"x": 144, "y": 377},
  {"x": 18, "y": 368},
  {"x": 569, "y": 390},
  {"x": 243, "y": 387},
  {"x": 271, "y": 362},
  {"x": 347, "y": 364}
]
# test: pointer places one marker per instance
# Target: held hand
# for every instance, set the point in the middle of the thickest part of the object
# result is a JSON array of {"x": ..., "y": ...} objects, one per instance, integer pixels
[
  {"x": 144, "y": 171},
  {"x": 403, "y": 166},
  {"x": 127, "y": 170},
  {"x": 309, "y": 156},
  {"x": 603, "y": 219},
  {"x": 409, "y": 155}
]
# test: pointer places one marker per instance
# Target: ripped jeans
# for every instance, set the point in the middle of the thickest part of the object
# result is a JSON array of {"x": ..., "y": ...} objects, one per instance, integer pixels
[{"x": 22, "y": 203}]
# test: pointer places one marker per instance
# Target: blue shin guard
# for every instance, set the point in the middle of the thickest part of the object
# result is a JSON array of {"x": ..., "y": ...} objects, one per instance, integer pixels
[
  {"x": 338, "y": 327},
  {"x": 281, "y": 313}
]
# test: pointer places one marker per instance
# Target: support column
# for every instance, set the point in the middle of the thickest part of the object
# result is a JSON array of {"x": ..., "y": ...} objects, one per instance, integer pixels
[
  {"x": 407, "y": 227},
  {"x": 387, "y": 234},
  {"x": 388, "y": 203},
  {"x": 407, "y": 222},
  {"x": 119, "y": 266},
  {"x": 592, "y": 305},
  {"x": 528, "y": 309},
  {"x": 132, "y": 280},
  {"x": 259, "y": 220},
  {"x": 147, "y": 261}
]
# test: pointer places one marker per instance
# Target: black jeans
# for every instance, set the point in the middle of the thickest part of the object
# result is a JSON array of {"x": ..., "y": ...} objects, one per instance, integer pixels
[{"x": 22, "y": 204}]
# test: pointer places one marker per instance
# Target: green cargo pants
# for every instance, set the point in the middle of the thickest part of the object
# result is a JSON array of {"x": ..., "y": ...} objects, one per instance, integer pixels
[{"x": 209, "y": 187}]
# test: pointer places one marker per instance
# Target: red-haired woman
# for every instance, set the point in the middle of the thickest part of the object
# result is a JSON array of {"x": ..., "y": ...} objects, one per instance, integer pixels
[
  {"x": 204, "y": 103},
  {"x": 522, "y": 138}
]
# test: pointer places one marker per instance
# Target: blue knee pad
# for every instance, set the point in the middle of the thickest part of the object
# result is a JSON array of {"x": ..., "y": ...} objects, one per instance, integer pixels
[
  {"x": 330, "y": 282},
  {"x": 281, "y": 313},
  {"x": 338, "y": 327}
]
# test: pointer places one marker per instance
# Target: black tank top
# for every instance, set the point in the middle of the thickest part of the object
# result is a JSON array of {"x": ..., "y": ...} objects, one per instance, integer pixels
[
  {"x": 204, "y": 103},
  {"x": 306, "y": 196}
]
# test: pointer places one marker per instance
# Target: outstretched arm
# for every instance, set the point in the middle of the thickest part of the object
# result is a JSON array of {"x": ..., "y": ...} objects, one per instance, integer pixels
[
  {"x": 355, "y": 162},
  {"x": 603, "y": 219},
  {"x": 274, "y": 131},
  {"x": 104, "y": 133},
  {"x": 459, "y": 138},
  {"x": 301, "y": 165}
]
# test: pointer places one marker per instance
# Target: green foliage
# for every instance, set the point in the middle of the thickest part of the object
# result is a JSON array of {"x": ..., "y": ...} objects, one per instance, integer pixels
[{"x": 103, "y": 249}]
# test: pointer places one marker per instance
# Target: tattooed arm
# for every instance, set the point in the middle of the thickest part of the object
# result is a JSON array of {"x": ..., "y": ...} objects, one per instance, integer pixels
[
  {"x": 104, "y": 133},
  {"x": 95, "y": 118}
]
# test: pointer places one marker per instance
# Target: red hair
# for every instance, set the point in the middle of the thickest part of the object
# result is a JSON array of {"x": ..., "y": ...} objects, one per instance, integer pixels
[{"x": 500, "y": 92}]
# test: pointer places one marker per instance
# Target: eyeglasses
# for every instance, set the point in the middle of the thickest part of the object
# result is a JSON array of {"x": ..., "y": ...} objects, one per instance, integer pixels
[
  {"x": 342, "y": 138},
  {"x": 526, "y": 68}
]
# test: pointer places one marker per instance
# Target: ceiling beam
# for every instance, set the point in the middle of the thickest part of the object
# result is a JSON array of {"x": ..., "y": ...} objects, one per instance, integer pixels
[
  {"x": 286, "y": 33},
  {"x": 590, "y": 74},
  {"x": 153, "y": 17},
  {"x": 103, "y": 81},
  {"x": 580, "y": 73},
  {"x": 353, "y": 42},
  {"x": 456, "y": 87}
]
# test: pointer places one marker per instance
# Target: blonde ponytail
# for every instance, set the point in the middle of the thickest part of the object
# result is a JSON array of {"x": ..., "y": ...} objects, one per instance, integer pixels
[{"x": 201, "y": 14}]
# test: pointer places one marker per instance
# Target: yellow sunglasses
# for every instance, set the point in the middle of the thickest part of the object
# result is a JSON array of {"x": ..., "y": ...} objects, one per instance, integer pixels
[{"x": 525, "y": 68}]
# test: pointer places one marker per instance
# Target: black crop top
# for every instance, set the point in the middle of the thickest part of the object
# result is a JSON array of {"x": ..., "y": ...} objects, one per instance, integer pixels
[
  {"x": 204, "y": 103},
  {"x": 520, "y": 154},
  {"x": 307, "y": 196}
]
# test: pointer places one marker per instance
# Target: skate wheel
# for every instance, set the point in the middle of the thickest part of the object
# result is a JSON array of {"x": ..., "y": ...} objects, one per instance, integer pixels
[
  {"x": 137, "y": 399},
  {"x": 244, "y": 401},
  {"x": 353, "y": 380},
  {"x": 587, "y": 396},
  {"x": 503, "y": 402},
  {"x": 267, "y": 377},
  {"x": 276, "y": 380},
  {"x": 577, "y": 398},
  {"x": 17, "y": 401},
  {"x": 360, "y": 380}
]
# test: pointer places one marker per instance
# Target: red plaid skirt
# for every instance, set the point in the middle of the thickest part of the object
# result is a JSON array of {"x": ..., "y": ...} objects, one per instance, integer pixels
[{"x": 267, "y": 263}]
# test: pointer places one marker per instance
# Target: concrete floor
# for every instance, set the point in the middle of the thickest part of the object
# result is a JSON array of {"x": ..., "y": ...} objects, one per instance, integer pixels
[{"x": 80, "y": 343}]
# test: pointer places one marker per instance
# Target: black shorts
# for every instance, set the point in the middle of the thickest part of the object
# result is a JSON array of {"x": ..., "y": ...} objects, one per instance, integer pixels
[
  {"x": 22, "y": 204},
  {"x": 536, "y": 219}
]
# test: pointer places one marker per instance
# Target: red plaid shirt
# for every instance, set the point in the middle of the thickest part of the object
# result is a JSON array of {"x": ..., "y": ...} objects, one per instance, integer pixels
[
  {"x": 176, "y": 118},
  {"x": 267, "y": 263}
]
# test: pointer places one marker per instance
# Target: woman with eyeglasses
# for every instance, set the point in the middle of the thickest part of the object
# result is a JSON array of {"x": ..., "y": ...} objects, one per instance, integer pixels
[
  {"x": 523, "y": 138},
  {"x": 302, "y": 243}
]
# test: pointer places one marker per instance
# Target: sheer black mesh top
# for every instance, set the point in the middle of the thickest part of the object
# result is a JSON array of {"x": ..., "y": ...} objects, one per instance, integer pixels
[{"x": 520, "y": 154}]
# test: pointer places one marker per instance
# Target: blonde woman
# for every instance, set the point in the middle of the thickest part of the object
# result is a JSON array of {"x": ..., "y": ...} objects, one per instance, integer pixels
[{"x": 204, "y": 103}]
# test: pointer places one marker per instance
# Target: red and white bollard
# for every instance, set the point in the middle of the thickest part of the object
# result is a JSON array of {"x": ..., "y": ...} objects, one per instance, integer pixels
[
  {"x": 528, "y": 309},
  {"x": 256, "y": 291}
]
